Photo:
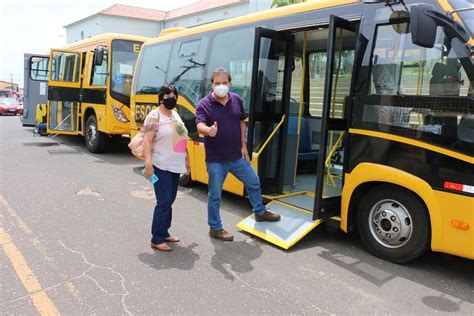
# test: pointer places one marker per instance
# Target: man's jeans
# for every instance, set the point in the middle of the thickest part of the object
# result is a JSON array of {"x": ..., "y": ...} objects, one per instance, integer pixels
[{"x": 243, "y": 171}]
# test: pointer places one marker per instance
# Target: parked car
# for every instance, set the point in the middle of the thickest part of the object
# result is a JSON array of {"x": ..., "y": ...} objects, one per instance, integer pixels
[{"x": 10, "y": 106}]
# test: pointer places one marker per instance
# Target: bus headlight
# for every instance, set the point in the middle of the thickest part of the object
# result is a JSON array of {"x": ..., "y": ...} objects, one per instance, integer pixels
[{"x": 119, "y": 115}]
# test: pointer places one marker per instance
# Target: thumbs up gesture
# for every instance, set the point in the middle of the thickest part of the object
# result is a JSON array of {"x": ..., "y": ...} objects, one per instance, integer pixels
[{"x": 212, "y": 130}]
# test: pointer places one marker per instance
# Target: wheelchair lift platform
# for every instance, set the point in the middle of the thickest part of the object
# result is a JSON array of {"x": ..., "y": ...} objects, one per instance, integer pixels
[{"x": 295, "y": 223}]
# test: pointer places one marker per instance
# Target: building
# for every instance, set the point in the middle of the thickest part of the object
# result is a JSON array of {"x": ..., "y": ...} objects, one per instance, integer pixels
[
  {"x": 150, "y": 22},
  {"x": 8, "y": 85}
]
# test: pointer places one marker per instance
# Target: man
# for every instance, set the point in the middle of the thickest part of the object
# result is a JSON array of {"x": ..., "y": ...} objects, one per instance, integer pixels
[{"x": 220, "y": 118}]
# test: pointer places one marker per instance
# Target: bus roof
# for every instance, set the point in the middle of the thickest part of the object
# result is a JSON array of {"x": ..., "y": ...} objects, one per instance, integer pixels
[
  {"x": 257, "y": 16},
  {"x": 105, "y": 37}
]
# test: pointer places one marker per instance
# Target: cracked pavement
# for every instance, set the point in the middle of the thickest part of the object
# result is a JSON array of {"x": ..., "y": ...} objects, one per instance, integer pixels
[{"x": 82, "y": 224}]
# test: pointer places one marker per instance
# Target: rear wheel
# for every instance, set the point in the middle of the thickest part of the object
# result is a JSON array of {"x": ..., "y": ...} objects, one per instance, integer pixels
[
  {"x": 393, "y": 224},
  {"x": 95, "y": 140}
]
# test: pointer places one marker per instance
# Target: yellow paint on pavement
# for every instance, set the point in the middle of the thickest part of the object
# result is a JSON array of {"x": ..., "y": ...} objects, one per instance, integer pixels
[{"x": 40, "y": 300}]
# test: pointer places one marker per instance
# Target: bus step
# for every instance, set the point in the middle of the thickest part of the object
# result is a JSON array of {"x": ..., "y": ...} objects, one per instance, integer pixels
[{"x": 294, "y": 224}]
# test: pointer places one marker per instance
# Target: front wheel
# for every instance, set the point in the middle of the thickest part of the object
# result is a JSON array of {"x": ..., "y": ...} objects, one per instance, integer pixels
[
  {"x": 394, "y": 224},
  {"x": 95, "y": 140}
]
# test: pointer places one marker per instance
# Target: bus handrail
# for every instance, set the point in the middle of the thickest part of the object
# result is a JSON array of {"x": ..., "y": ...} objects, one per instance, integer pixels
[{"x": 271, "y": 136}]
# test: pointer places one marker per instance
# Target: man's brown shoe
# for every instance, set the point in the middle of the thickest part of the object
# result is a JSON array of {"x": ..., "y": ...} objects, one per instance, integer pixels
[
  {"x": 221, "y": 234},
  {"x": 267, "y": 217}
]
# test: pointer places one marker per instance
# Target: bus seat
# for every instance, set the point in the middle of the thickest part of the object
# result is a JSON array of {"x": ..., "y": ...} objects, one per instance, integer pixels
[
  {"x": 304, "y": 148},
  {"x": 466, "y": 129},
  {"x": 437, "y": 81}
]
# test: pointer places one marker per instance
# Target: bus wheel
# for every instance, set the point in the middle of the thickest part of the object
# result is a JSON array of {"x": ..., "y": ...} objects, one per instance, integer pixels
[
  {"x": 95, "y": 140},
  {"x": 185, "y": 180},
  {"x": 393, "y": 224}
]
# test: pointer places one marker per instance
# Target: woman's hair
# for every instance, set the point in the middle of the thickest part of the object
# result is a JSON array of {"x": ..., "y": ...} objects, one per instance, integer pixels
[{"x": 167, "y": 88}]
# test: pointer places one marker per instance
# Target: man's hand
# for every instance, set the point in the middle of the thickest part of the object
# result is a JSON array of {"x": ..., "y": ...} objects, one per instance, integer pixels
[
  {"x": 212, "y": 132},
  {"x": 245, "y": 153}
]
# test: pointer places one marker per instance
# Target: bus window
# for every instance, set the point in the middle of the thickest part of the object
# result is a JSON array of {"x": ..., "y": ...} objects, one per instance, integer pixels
[
  {"x": 65, "y": 67},
  {"x": 186, "y": 68},
  {"x": 223, "y": 53},
  {"x": 153, "y": 68},
  {"x": 124, "y": 56},
  {"x": 39, "y": 68},
  {"x": 99, "y": 72}
]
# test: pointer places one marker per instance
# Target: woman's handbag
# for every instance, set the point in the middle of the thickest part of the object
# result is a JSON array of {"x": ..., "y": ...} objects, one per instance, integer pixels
[{"x": 136, "y": 145}]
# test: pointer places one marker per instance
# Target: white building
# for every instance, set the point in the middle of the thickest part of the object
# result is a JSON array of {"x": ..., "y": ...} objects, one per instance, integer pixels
[{"x": 149, "y": 22}]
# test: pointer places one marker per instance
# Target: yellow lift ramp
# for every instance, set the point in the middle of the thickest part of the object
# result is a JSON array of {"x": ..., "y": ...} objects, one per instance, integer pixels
[{"x": 295, "y": 223}]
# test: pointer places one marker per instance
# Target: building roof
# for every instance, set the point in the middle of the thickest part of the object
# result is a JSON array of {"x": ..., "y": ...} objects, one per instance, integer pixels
[
  {"x": 134, "y": 12},
  {"x": 158, "y": 15},
  {"x": 200, "y": 6}
]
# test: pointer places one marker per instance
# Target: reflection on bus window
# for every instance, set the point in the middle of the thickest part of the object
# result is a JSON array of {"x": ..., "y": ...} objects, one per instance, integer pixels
[
  {"x": 99, "y": 72},
  {"x": 186, "y": 68},
  {"x": 124, "y": 56},
  {"x": 65, "y": 67},
  {"x": 238, "y": 61},
  {"x": 399, "y": 67},
  {"x": 152, "y": 70}
]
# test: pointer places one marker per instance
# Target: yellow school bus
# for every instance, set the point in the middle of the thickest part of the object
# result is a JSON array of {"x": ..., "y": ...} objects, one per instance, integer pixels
[
  {"x": 360, "y": 112},
  {"x": 89, "y": 88}
]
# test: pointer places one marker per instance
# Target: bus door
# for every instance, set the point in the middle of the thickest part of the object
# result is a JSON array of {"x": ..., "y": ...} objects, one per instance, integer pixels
[
  {"x": 64, "y": 92},
  {"x": 269, "y": 103},
  {"x": 341, "y": 45},
  {"x": 35, "y": 86}
]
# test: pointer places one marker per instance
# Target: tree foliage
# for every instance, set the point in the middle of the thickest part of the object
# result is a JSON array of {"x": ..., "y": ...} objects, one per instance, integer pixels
[{"x": 282, "y": 3}]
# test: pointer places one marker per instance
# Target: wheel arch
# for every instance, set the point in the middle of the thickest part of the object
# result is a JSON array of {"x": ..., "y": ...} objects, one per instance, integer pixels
[{"x": 366, "y": 176}]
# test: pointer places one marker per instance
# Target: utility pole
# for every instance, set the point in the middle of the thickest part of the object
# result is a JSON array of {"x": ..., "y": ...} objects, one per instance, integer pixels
[{"x": 11, "y": 80}]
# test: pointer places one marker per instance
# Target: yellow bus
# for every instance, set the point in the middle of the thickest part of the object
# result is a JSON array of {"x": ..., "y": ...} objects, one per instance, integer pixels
[
  {"x": 89, "y": 88},
  {"x": 359, "y": 112}
]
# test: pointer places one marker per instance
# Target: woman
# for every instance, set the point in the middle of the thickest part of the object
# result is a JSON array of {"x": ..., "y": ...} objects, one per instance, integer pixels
[{"x": 164, "y": 142}]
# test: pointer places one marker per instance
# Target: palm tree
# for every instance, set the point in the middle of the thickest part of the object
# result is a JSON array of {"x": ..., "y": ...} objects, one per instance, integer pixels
[{"x": 282, "y": 3}]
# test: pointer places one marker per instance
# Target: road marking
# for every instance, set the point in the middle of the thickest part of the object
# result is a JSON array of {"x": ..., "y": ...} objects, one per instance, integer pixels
[{"x": 40, "y": 300}]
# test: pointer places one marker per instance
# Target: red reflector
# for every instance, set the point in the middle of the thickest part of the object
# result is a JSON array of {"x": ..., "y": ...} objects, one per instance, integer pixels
[
  {"x": 196, "y": 143},
  {"x": 453, "y": 186},
  {"x": 460, "y": 224}
]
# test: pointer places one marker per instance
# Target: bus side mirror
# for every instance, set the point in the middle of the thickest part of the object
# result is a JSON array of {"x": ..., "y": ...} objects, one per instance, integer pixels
[
  {"x": 98, "y": 56},
  {"x": 423, "y": 27}
]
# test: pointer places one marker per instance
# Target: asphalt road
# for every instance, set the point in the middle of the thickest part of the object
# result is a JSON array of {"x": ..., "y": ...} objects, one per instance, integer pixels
[{"x": 75, "y": 231}]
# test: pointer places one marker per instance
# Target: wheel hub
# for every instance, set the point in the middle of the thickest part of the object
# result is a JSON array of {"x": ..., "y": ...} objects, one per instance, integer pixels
[
  {"x": 91, "y": 133},
  {"x": 390, "y": 223}
]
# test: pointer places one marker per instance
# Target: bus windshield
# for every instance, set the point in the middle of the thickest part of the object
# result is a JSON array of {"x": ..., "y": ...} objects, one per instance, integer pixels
[{"x": 124, "y": 56}]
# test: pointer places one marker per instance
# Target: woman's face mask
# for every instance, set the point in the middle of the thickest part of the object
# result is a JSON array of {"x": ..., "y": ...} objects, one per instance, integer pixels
[
  {"x": 169, "y": 103},
  {"x": 221, "y": 90}
]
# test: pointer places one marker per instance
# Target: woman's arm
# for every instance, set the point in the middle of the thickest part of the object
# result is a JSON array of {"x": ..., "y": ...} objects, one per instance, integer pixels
[{"x": 147, "y": 152}]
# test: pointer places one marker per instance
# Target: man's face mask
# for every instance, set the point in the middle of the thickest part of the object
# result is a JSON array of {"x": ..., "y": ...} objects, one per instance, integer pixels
[
  {"x": 221, "y": 90},
  {"x": 169, "y": 103}
]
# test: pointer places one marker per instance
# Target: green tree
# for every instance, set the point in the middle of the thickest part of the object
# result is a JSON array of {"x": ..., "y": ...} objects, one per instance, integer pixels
[{"x": 282, "y": 3}]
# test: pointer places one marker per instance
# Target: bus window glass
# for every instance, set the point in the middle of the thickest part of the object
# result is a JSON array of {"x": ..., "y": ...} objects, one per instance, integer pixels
[
  {"x": 435, "y": 108},
  {"x": 401, "y": 68},
  {"x": 39, "y": 68},
  {"x": 65, "y": 67},
  {"x": 187, "y": 67},
  {"x": 124, "y": 56},
  {"x": 99, "y": 72},
  {"x": 152, "y": 69},
  {"x": 237, "y": 59}
]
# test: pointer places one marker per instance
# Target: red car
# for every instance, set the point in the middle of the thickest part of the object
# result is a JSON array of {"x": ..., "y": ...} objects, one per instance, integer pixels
[{"x": 10, "y": 106}]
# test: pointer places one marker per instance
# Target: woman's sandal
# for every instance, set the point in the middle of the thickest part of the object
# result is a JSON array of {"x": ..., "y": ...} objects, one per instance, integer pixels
[
  {"x": 172, "y": 239},
  {"x": 161, "y": 247}
]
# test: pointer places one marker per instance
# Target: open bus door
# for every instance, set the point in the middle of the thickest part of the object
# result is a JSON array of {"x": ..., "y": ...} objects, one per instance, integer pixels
[
  {"x": 300, "y": 217},
  {"x": 64, "y": 92},
  {"x": 35, "y": 86},
  {"x": 335, "y": 121}
]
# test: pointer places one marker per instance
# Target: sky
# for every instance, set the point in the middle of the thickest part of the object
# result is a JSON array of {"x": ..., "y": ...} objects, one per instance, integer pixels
[{"x": 35, "y": 26}]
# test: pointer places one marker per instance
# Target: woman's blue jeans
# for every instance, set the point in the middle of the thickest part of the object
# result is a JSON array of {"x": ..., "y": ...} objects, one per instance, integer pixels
[
  {"x": 217, "y": 173},
  {"x": 165, "y": 191}
]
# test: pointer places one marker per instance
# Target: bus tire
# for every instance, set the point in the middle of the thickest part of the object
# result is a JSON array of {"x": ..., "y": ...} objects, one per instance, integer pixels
[
  {"x": 393, "y": 224},
  {"x": 95, "y": 140},
  {"x": 185, "y": 180}
]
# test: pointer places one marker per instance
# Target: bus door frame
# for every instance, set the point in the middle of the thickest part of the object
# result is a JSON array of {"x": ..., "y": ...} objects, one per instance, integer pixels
[
  {"x": 288, "y": 39},
  {"x": 52, "y": 84},
  {"x": 331, "y": 206}
]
